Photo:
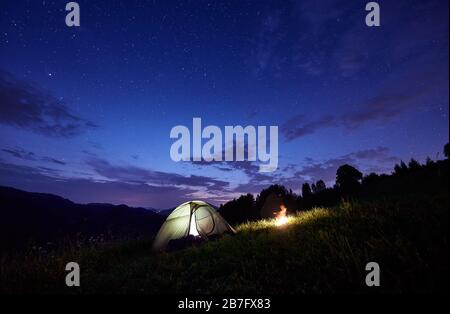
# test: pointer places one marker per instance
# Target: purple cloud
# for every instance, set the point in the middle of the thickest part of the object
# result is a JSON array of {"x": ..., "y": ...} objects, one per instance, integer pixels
[
  {"x": 20, "y": 153},
  {"x": 26, "y": 107},
  {"x": 299, "y": 126},
  {"x": 363, "y": 159},
  {"x": 136, "y": 175},
  {"x": 81, "y": 189}
]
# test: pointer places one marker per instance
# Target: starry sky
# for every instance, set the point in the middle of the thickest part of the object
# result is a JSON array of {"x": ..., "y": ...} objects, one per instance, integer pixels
[{"x": 86, "y": 112}]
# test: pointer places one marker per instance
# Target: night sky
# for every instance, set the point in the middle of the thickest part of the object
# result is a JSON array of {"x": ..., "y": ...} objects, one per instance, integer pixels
[{"x": 86, "y": 112}]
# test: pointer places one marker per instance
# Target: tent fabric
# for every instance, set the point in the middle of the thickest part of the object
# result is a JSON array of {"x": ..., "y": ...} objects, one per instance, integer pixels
[{"x": 179, "y": 223}]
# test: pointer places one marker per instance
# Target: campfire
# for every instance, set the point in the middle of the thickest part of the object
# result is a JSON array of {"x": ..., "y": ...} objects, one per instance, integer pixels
[{"x": 280, "y": 216}]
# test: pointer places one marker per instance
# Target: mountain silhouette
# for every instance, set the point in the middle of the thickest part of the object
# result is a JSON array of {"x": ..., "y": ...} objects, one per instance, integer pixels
[{"x": 43, "y": 218}]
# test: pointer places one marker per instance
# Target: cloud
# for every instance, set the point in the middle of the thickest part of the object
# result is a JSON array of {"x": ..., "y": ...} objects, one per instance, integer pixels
[
  {"x": 409, "y": 38},
  {"x": 20, "y": 153},
  {"x": 329, "y": 37},
  {"x": 137, "y": 175},
  {"x": 85, "y": 190},
  {"x": 378, "y": 159},
  {"x": 302, "y": 26},
  {"x": 323, "y": 170},
  {"x": 371, "y": 153},
  {"x": 388, "y": 104},
  {"x": 401, "y": 92},
  {"x": 292, "y": 176},
  {"x": 54, "y": 160},
  {"x": 412, "y": 58},
  {"x": 143, "y": 187},
  {"x": 249, "y": 168},
  {"x": 256, "y": 180},
  {"x": 26, "y": 107},
  {"x": 298, "y": 126}
]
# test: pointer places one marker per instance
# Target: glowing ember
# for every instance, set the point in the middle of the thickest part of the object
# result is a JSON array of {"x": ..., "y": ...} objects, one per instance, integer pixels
[{"x": 280, "y": 217}]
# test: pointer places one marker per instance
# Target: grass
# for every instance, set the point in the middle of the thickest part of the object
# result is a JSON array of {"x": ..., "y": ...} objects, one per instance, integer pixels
[{"x": 319, "y": 251}]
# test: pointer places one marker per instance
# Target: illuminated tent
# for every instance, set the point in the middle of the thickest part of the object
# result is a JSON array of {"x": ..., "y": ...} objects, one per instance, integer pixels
[
  {"x": 272, "y": 205},
  {"x": 195, "y": 219}
]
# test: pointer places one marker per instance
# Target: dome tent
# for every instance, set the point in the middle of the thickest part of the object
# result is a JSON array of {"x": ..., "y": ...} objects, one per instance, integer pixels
[{"x": 194, "y": 218}]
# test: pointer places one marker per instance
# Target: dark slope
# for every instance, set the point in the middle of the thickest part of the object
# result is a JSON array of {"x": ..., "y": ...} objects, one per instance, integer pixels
[{"x": 39, "y": 217}]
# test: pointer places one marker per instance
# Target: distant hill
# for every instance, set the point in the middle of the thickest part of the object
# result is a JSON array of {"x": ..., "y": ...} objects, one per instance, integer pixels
[
  {"x": 165, "y": 212},
  {"x": 42, "y": 218}
]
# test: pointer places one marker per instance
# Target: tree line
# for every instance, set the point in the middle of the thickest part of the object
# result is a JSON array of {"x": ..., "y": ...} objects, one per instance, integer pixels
[{"x": 412, "y": 180}]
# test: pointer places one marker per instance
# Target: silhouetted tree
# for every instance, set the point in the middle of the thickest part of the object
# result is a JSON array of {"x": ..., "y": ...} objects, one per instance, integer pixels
[
  {"x": 414, "y": 165},
  {"x": 446, "y": 150},
  {"x": 348, "y": 179},
  {"x": 306, "y": 190},
  {"x": 371, "y": 178},
  {"x": 278, "y": 190},
  {"x": 417, "y": 179},
  {"x": 287, "y": 196},
  {"x": 240, "y": 210},
  {"x": 320, "y": 186},
  {"x": 401, "y": 169},
  {"x": 397, "y": 169},
  {"x": 404, "y": 167}
]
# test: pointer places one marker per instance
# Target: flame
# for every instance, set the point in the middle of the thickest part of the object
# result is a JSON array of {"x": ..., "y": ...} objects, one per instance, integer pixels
[
  {"x": 280, "y": 216},
  {"x": 281, "y": 221}
]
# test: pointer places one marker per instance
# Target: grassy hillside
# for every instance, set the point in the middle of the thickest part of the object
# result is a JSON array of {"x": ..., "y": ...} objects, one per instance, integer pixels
[{"x": 319, "y": 251}]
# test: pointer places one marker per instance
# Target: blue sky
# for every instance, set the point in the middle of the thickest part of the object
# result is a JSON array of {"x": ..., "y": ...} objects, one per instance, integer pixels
[{"x": 101, "y": 99}]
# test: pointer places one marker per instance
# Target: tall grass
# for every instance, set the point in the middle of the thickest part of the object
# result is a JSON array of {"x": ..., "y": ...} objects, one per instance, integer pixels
[{"x": 319, "y": 251}]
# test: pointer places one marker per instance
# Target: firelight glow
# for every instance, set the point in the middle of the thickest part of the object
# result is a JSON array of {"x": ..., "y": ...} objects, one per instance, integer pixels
[
  {"x": 280, "y": 216},
  {"x": 281, "y": 221}
]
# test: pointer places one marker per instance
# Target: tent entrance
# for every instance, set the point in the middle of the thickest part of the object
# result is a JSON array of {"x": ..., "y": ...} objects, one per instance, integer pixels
[{"x": 193, "y": 226}]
